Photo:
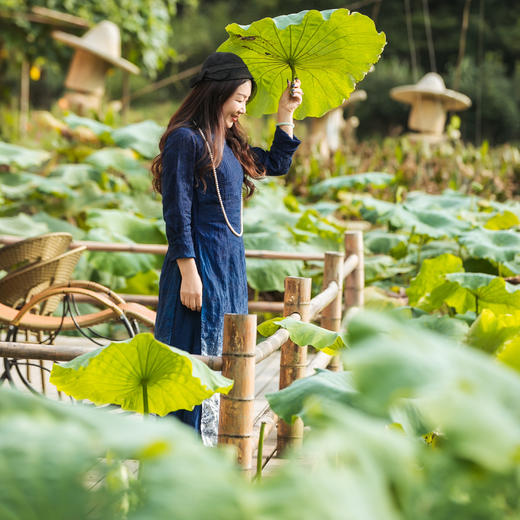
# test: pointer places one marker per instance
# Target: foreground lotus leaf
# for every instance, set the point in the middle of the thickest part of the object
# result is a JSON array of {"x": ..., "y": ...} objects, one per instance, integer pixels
[
  {"x": 329, "y": 51},
  {"x": 141, "y": 375}
]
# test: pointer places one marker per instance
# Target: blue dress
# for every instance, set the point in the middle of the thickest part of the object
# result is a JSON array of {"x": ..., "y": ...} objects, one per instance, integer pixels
[{"x": 195, "y": 228}]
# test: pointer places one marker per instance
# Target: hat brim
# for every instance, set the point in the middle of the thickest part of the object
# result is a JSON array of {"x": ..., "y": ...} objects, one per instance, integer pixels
[
  {"x": 79, "y": 43},
  {"x": 412, "y": 94}
]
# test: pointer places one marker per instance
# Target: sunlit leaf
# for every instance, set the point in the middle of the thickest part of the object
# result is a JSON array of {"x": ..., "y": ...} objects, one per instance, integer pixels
[
  {"x": 490, "y": 331},
  {"x": 487, "y": 292},
  {"x": 329, "y": 51},
  {"x": 302, "y": 334},
  {"x": 504, "y": 220},
  {"x": 431, "y": 275}
]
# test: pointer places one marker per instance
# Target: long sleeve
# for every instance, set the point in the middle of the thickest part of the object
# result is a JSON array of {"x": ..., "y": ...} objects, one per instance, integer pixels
[
  {"x": 278, "y": 159},
  {"x": 178, "y": 178}
]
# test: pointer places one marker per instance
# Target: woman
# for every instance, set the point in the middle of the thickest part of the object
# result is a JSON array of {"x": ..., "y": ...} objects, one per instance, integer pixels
[{"x": 204, "y": 163}]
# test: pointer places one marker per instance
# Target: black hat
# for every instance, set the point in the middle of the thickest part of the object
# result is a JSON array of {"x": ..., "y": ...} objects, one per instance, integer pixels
[{"x": 222, "y": 66}]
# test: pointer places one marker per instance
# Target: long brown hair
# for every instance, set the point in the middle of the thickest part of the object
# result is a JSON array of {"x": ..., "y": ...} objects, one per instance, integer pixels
[{"x": 203, "y": 105}]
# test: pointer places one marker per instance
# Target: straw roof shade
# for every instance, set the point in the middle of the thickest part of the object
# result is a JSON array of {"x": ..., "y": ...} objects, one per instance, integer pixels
[
  {"x": 103, "y": 40},
  {"x": 431, "y": 86}
]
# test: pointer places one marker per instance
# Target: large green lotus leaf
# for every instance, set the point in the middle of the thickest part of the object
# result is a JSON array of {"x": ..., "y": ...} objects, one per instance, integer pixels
[
  {"x": 120, "y": 222},
  {"x": 75, "y": 121},
  {"x": 329, "y": 51},
  {"x": 500, "y": 246},
  {"x": 431, "y": 275},
  {"x": 143, "y": 137},
  {"x": 318, "y": 233},
  {"x": 429, "y": 223},
  {"x": 289, "y": 402},
  {"x": 505, "y": 220},
  {"x": 490, "y": 331},
  {"x": 120, "y": 372},
  {"x": 269, "y": 199},
  {"x": 449, "y": 200},
  {"x": 124, "y": 265},
  {"x": 430, "y": 250},
  {"x": 22, "y": 225},
  {"x": 452, "y": 295},
  {"x": 142, "y": 283},
  {"x": 459, "y": 391},
  {"x": 381, "y": 267},
  {"x": 14, "y": 155},
  {"x": 451, "y": 327},
  {"x": 485, "y": 292},
  {"x": 382, "y": 242},
  {"x": 118, "y": 159},
  {"x": 372, "y": 209},
  {"x": 75, "y": 175},
  {"x": 16, "y": 186},
  {"x": 267, "y": 274},
  {"x": 58, "y": 225},
  {"x": 303, "y": 334},
  {"x": 355, "y": 181}
]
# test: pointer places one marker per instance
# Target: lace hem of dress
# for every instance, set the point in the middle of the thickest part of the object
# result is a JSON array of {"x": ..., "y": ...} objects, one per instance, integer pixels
[{"x": 209, "y": 420}]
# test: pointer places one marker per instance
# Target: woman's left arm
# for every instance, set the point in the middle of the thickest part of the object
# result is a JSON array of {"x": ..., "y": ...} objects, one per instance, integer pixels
[{"x": 278, "y": 159}]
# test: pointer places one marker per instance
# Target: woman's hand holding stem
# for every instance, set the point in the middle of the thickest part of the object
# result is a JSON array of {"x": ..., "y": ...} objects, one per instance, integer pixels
[
  {"x": 290, "y": 100},
  {"x": 191, "y": 284}
]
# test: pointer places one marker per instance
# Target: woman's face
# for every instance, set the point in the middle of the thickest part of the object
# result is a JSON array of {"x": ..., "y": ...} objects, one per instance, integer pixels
[{"x": 235, "y": 105}]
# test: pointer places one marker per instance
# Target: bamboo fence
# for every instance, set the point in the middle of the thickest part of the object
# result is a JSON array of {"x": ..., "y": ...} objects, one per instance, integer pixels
[{"x": 343, "y": 284}]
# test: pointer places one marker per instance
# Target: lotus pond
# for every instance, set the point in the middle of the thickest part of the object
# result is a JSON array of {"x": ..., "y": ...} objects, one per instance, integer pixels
[{"x": 424, "y": 422}]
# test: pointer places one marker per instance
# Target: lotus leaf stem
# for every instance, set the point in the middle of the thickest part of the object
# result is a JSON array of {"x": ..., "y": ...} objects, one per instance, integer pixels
[
  {"x": 259, "y": 455},
  {"x": 145, "y": 398}
]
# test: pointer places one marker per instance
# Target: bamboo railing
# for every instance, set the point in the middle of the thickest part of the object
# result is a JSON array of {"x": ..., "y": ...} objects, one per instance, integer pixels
[
  {"x": 158, "y": 249},
  {"x": 343, "y": 284}
]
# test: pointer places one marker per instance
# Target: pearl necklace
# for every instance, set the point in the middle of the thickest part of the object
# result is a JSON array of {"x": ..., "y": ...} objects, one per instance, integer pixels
[{"x": 218, "y": 191}]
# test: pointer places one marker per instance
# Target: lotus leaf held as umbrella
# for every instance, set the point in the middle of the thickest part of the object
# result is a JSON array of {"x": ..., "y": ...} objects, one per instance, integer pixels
[{"x": 329, "y": 51}]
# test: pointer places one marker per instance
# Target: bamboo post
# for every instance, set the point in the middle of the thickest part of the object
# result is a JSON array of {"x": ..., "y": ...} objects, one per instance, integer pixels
[
  {"x": 355, "y": 281},
  {"x": 293, "y": 359},
  {"x": 331, "y": 315},
  {"x": 237, "y": 408}
]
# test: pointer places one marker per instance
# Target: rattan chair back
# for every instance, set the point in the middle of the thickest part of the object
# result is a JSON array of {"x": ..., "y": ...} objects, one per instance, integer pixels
[
  {"x": 30, "y": 251},
  {"x": 19, "y": 287}
]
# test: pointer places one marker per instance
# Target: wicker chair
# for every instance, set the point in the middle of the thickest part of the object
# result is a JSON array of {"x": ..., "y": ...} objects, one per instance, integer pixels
[
  {"x": 112, "y": 308},
  {"x": 30, "y": 251},
  {"x": 21, "y": 285}
]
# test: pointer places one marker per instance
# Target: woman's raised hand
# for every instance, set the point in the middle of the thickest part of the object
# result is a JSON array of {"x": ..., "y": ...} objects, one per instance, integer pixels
[{"x": 291, "y": 98}]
